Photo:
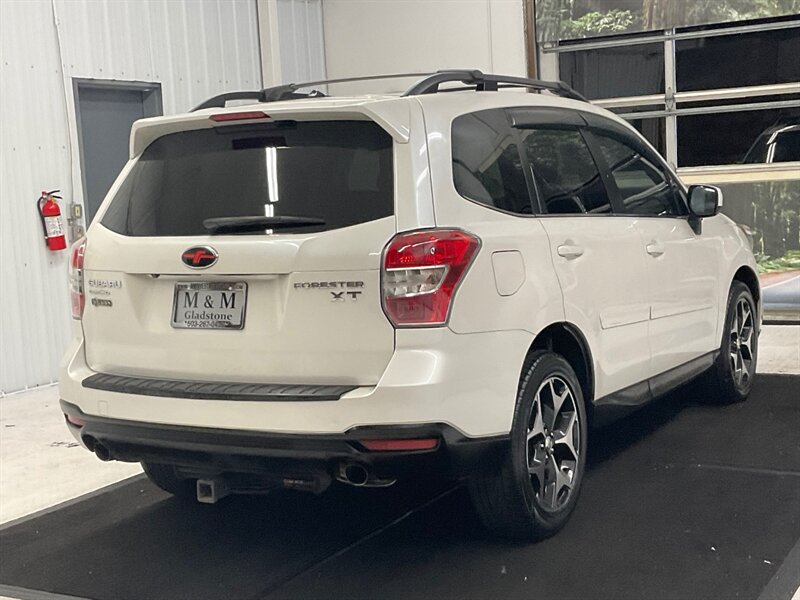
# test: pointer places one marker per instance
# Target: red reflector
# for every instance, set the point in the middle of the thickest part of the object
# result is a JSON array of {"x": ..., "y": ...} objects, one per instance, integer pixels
[
  {"x": 75, "y": 421},
  {"x": 400, "y": 445}
]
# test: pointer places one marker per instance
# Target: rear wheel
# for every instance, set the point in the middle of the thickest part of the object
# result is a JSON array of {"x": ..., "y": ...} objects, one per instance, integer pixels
[
  {"x": 731, "y": 377},
  {"x": 532, "y": 496},
  {"x": 168, "y": 479}
]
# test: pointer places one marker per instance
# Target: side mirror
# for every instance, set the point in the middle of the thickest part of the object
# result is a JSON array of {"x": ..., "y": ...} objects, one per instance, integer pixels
[{"x": 704, "y": 200}]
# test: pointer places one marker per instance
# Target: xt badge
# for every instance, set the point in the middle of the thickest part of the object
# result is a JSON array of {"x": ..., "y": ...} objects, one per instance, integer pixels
[
  {"x": 339, "y": 296},
  {"x": 346, "y": 289}
]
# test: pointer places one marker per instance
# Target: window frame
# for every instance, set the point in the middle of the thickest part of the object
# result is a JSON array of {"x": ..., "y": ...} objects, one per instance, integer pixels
[
  {"x": 672, "y": 104},
  {"x": 520, "y": 118}
]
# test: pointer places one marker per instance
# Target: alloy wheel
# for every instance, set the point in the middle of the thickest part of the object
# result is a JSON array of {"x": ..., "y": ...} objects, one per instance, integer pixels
[
  {"x": 741, "y": 347},
  {"x": 553, "y": 444}
]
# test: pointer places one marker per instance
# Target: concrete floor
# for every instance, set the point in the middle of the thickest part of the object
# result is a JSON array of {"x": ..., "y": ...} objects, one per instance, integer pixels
[
  {"x": 40, "y": 462},
  {"x": 41, "y": 465}
]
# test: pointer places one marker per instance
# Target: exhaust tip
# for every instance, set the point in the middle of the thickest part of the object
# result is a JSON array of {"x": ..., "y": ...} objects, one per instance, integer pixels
[
  {"x": 356, "y": 474},
  {"x": 102, "y": 452}
]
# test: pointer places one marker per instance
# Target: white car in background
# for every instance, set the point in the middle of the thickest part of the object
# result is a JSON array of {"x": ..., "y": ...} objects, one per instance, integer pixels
[{"x": 450, "y": 282}]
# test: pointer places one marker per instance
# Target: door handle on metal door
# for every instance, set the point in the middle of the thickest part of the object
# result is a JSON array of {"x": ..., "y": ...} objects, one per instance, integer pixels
[
  {"x": 655, "y": 248},
  {"x": 570, "y": 252}
]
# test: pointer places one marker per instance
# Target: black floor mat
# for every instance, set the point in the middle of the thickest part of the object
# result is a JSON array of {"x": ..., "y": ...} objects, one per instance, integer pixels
[{"x": 682, "y": 500}]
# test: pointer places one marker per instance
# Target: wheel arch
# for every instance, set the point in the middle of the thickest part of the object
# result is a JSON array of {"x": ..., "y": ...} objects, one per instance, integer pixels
[
  {"x": 567, "y": 340},
  {"x": 747, "y": 276}
]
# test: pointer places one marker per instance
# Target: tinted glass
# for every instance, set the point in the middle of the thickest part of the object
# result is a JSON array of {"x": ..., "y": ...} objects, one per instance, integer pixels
[
  {"x": 338, "y": 171},
  {"x": 757, "y": 58},
  {"x": 644, "y": 189},
  {"x": 769, "y": 209},
  {"x": 486, "y": 163},
  {"x": 732, "y": 137},
  {"x": 615, "y": 72},
  {"x": 566, "y": 177}
]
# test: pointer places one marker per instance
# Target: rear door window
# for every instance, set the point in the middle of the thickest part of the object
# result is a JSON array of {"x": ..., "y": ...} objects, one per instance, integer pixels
[{"x": 338, "y": 171}]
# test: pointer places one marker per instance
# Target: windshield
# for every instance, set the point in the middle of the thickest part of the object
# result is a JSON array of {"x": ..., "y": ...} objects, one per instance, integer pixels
[{"x": 337, "y": 171}]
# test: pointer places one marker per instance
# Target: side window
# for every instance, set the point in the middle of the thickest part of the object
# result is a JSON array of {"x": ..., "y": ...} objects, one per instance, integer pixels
[
  {"x": 643, "y": 186},
  {"x": 566, "y": 177},
  {"x": 486, "y": 162}
]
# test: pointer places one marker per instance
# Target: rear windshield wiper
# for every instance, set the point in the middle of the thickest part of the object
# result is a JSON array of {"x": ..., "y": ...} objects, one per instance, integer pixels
[{"x": 220, "y": 225}]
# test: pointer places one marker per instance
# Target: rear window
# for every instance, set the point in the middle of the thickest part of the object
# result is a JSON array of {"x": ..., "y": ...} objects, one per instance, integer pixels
[{"x": 338, "y": 171}]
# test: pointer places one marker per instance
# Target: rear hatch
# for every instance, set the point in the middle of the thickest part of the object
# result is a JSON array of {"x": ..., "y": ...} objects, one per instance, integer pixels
[{"x": 256, "y": 301}]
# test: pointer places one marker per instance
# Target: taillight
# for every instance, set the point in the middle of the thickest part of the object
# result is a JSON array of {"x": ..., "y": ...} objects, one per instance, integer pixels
[
  {"x": 421, "y": 271},
  {"x": 77, "y": 298}
]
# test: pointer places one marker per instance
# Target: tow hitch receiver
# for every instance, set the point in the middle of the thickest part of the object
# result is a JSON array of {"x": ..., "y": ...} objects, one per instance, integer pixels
[{"x": 210, "y": 491}]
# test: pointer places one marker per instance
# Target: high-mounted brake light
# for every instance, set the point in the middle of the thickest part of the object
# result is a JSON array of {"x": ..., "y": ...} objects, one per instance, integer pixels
[
  {"x": 239, "y": 116},
  {"x": 77, "y": 297},
  {"x": 421, "y": 271}
]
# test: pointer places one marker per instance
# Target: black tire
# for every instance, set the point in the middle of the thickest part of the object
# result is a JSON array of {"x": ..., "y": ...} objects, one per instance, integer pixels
[
  {"x": 511, "y": 501},
  {"x": 723, "y": 383},
  {"x": 169, "y": 480}
]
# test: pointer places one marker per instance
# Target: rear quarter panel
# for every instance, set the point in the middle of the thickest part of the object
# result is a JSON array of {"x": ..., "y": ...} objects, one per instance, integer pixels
[{"x": 493, "y": 296}]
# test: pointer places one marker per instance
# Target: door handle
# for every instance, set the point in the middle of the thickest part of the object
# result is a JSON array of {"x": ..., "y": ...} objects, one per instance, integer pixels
[
  {"x": 655, "y": 248},
  {"x": 570, "y": 252}
]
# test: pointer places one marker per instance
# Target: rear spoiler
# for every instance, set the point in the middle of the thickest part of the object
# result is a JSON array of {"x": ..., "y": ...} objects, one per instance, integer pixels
[{"x": 392, "y": 114}]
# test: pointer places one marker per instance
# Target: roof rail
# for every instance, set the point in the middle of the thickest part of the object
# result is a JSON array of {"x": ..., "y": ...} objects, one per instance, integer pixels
[
  {"x": 220, "y": 100},
  {"x": 489, "y": 83},
  {"x": 288, "y": 91},
  {"x": 429, "y": 85}
]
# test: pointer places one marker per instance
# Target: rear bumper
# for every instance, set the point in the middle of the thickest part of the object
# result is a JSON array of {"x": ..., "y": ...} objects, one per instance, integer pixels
[
  {"x": 465, "y": 381},
  {"x": 219, "y": 451}
]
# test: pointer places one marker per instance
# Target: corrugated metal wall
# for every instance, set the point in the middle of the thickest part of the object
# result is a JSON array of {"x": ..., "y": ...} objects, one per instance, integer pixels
[
  {"x": 301, "y": 39},
  {"x": 193, "y": 48}
]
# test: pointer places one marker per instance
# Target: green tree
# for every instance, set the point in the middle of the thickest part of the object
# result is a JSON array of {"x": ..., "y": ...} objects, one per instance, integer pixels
[{"x": 560, "y": 19}]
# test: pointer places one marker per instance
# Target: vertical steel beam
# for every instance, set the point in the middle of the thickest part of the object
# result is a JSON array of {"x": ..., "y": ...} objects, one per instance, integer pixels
[
  {"x": 531, "y": 52},
  {"x": 670, "y": 88}
]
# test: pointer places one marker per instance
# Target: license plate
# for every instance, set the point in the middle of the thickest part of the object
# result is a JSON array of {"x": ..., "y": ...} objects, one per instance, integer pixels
[{"x": 209, "y": 305}]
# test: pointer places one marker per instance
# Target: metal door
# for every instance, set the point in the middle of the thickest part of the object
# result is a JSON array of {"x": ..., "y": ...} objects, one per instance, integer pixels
[{"x": 105, "y": 111}]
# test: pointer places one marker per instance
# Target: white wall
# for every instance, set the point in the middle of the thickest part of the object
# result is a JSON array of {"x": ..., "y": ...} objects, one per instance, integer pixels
[
  {"x": 194, "y": 48},
  {"x": 368, "y": 37}
]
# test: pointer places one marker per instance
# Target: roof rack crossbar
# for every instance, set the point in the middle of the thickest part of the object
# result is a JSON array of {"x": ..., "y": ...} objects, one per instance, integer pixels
[
  {"x": 489, "y": 82},
  {"x": 429, "y": 85}
]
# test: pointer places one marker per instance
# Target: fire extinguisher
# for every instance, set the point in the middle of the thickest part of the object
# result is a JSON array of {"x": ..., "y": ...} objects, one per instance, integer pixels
[{"x": 50, "y": 213}]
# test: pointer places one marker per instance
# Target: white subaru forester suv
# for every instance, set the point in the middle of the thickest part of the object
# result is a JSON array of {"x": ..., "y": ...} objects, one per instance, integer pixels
[{"x": 460, "y": 281}]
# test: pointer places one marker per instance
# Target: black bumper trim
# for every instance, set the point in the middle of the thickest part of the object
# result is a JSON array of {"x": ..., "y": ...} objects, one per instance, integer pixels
[
  {"x": 256, "y": 451},
  {"x": 215, "y": 390}
]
